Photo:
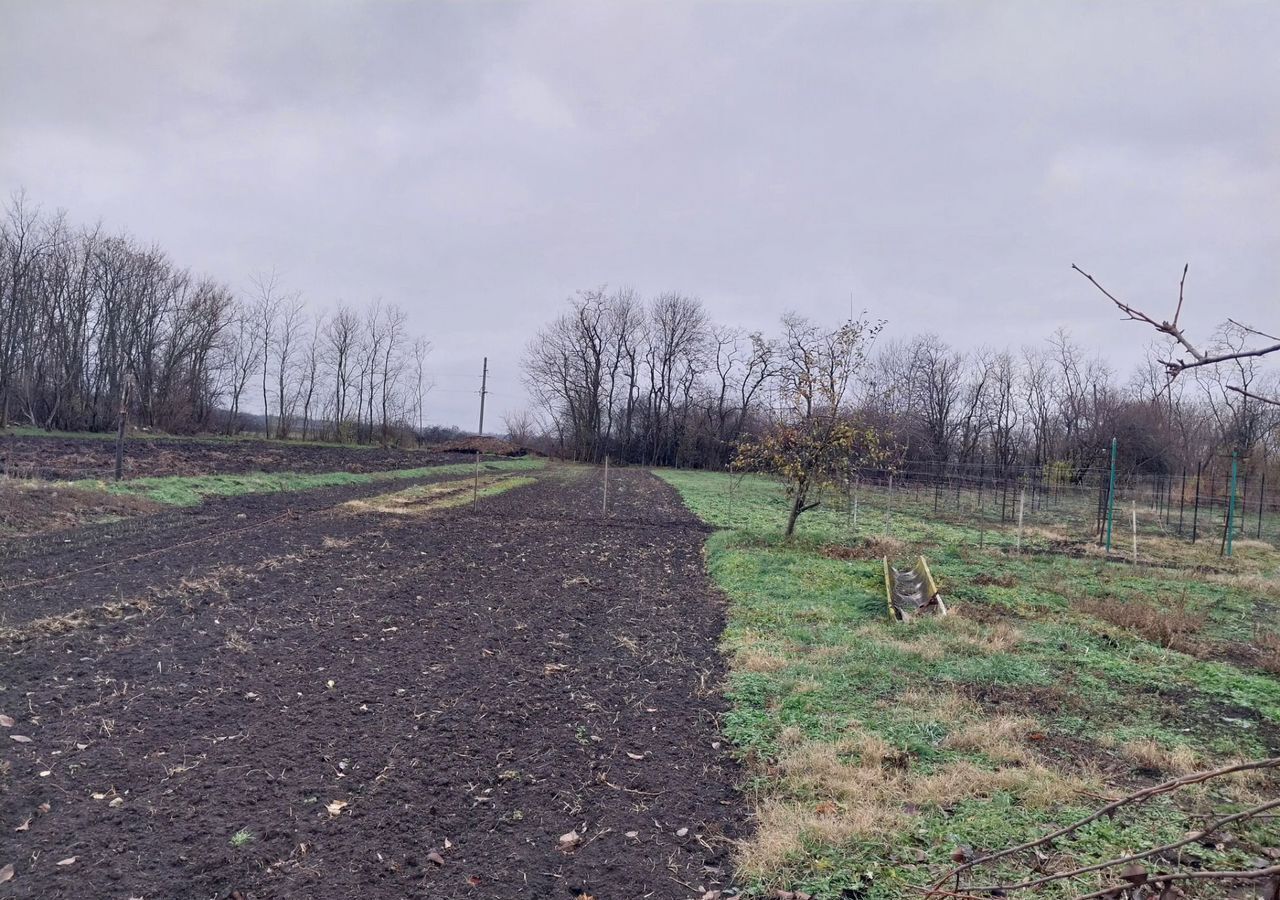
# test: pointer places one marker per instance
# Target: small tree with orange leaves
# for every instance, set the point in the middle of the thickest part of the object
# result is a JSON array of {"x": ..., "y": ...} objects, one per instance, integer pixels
[{"x": 816, "y": 441}]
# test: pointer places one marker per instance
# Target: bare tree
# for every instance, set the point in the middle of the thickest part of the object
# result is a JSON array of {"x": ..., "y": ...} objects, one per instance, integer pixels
[{"x": 268, "y": 304}]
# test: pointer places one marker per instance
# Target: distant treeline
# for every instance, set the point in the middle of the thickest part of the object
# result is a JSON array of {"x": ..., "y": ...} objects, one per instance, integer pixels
[
  {"x": 657, "y": 382},
  {"x": 90, "y": 319}
]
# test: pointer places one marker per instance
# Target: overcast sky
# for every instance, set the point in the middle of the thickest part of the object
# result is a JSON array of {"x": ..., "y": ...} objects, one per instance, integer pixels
[{"x": 943, "y": 164}]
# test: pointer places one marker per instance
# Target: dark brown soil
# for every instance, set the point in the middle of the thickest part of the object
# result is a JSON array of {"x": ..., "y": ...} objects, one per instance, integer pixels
[
  {"x": 471, "y": 686},
  {"x": 29, "y": 508},
  {"x": 490, "y": 446},
  {"x": 74, "y": 458}
]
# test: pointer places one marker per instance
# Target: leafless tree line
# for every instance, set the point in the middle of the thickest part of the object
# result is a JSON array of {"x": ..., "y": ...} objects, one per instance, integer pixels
[
  {"x": 658, "y": 382},
  {"x": 89, "y": 320}
]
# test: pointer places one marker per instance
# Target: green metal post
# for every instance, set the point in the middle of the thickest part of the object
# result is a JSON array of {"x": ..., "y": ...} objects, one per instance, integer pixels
[
  {"x": 1231, "y": 504},
  {"x": 1111, "y": 494}
]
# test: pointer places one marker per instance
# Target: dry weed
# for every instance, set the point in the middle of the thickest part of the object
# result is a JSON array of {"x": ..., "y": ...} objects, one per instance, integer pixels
[
  {"x": 877, "y": 547},
  {"x": 863, "y": 789},
  {"x": 1172, "y": 626},
  {"x": 1000, "y": 739},
  {"x": 1147, "y": 754}
]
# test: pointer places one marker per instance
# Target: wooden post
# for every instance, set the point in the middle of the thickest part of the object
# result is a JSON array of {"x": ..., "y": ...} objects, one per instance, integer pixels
[
  {"x": 604, "y": 506},
  {"x": 982, "y": 524},
  {"x": 857, "y": 483},
  {"x": 1022, "y": 502},
  {"x": 888, "y": 507},
  {"x": 121, "y": 427},
  {"x": 1134, "y": 521},
  {"x": 475, "y": 486}
]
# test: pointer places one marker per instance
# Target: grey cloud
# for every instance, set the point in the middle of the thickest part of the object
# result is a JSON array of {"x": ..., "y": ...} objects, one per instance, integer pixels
[{"x": 944, "y": 164}]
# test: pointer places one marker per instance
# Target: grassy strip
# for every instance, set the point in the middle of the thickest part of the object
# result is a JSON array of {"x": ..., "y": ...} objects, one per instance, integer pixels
[
  {"x": 875, "y": 748},
  {"x": 424, "y": 498},
  {"x": 190, "y": 490}
]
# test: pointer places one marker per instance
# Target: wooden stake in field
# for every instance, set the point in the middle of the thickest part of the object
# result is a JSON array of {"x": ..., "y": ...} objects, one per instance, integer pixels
[
  {"x": 888, "y": 507},
  {"x": 475, "y": 486},
  {"x": 1022, "y": 502},
  {"x": 122, "y": 426},
  {"x": 604, "y": 505},
  {"x": 1133, "y": 518},
  {"x": 982, "y": 524},
  {"x": 857, "y": 484}
]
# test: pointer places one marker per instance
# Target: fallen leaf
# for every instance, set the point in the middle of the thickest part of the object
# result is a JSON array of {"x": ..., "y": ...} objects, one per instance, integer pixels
[
  {"x": 6, "y": 873},
  {"x": 631, "y": 755},
  {"x": 116, "y": 802},
  {"x": 570, "y": 840},
  {"x": 474, "y": 880},
  {"x": 434, "y": 857},
  {"x": 632, "y": 834},
  {"x": 6, "y": 721},
  {"x": 553, "y": 668},
  {"x": 25, "y": 824},
  {"x": 69, "y": 861},
  {"x": 99, "y": 796},
  {"x": 44, "y": 807},
  {"x": 826, "y": 808},
  {"x": 335, "y": 807},
  {"x": 20, "y": 738},
  {"x": 682, "y": 832}
]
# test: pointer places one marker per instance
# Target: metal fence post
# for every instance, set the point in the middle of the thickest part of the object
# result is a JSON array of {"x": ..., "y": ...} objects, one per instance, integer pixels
[
  {"x": 1195, "y": 513},
  {"x": 1111, "y": 494},
  {"x": 1231, "y": 504}
]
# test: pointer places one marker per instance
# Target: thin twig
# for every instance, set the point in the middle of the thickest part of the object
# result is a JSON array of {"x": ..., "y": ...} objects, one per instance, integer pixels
[
  {"x": 1252, "y": 396},
  {"x": 1137, "y": 797},
  {"x": 1249, "y": 875},
  {"x": 1145, "y": 854}
]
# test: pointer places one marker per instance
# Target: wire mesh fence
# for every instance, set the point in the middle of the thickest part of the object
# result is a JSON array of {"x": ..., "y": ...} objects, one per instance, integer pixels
[{"x": 1075, "y": 504}]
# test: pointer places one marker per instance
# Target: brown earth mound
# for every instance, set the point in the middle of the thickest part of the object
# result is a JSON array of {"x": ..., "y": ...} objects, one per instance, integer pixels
[
  {"x": 27, "y": 509},
  {"x": 490, "y": 446},
  {"x": 56, "y": 457}
]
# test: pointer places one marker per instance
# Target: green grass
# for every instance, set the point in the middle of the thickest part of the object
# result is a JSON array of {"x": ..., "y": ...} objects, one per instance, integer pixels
[
  {"x": 190, "y": 490},
  {"x": 241, "y": 838},
  {"x": 817, "y": 667}
]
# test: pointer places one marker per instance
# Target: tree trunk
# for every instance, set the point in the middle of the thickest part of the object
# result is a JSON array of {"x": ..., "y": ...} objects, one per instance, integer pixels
[{"x": 797, "y": 507}]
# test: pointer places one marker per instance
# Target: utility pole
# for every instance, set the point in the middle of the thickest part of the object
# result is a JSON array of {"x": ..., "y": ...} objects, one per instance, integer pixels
[{"x": 484, "y": 389}]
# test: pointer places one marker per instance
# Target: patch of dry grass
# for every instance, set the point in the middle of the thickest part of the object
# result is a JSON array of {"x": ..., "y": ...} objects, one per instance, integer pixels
[
  {"x": 413, "y": 500},
  {"x": 923, "y": 705},
  {"x": 1147, "y": 754},
  {"x": 1173, "y": 625},
  {"x": 985, "y": 638},
  {"x": 756, "y": 659},
  {"x": 1001, "y": 739},
  {"x": 871, "y": 547},
  {"x": 76, "y": 619},
  {"x": 861, "y": 788}
]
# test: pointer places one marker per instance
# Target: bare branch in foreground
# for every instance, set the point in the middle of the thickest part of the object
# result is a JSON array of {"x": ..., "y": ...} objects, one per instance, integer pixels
[{"x": 1139, "y": 796}]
